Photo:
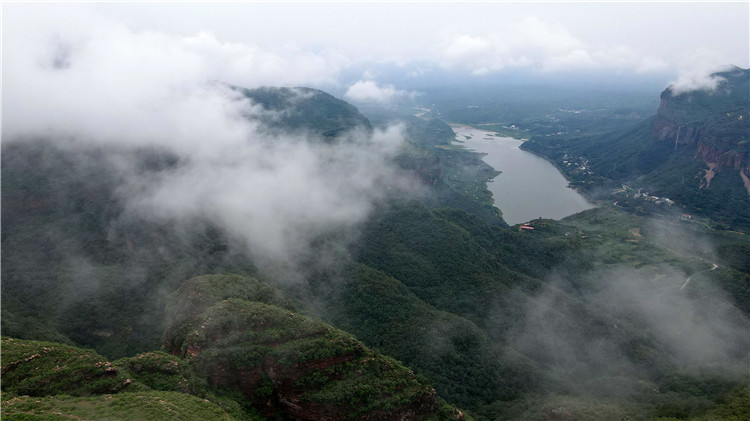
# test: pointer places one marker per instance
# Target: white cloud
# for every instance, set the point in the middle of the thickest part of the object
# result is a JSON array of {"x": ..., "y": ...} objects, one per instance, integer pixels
[
  {"x": 576, "y": 59},
  {"x": 118, "y": 78},
  {"x": 696, "y": 70},
  {"x": 275, "y": 195},
  {"x": 251, "y": 65},
  {"x": 539, "y": 45},
  {"x": 695, "y": 80},
  {"x": 79, "y": 80},
  {"x": 542, "y": 36},
  {"x": 369, "y": 91},
  {"x": 466, "y": 47},
  {"x": 525, "y": 43},
  {"x": 651, "y": 64}
]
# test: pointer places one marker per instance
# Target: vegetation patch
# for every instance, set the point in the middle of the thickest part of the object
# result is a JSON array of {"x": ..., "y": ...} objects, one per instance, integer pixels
[
  {"x": 154, "y": 406},
  {"x": 272, "y": 356},
  {"x": 45, "y": 368}
]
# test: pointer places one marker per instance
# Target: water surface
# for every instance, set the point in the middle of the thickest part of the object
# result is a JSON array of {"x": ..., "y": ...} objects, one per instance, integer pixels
[{"x": 529, "y": 187}]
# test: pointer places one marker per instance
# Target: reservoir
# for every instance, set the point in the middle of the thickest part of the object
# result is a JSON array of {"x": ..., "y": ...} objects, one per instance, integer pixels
[{"x": 529, "y": 187}]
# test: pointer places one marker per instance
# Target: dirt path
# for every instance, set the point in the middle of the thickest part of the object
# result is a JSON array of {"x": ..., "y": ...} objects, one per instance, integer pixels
[{"x": 714, "y": 267}]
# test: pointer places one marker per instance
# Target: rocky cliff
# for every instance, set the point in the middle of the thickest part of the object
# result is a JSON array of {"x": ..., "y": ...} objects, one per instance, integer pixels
[{"x": 713, "y": 124}]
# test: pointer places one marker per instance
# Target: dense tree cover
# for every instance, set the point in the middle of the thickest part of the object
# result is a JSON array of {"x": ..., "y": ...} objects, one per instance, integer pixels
[
  {"x": 305, "y": 110},
  {"x": 456, "y": 176},
  {"x": 581, "y": 253},
  {"x": 450, "y": 351},
  {"x": 268, "y": 354},
  {"x": 506, "y": 323},
  {"x": 45, "y": 378},
  {"x": 45, "y": 368},
  {"x": 77, "y": 267},
  {"x": 239, "y": 356}
]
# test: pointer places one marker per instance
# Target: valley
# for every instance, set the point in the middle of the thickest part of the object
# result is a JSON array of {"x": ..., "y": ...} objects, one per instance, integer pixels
[
  {"x": 351, "y": 211},
  {"x": 501, "y": 321}
]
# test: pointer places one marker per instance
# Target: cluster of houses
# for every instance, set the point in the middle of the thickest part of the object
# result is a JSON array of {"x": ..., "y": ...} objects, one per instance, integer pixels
[
  {"x": 580, "y": 163},
  {"x": 636, "y": 194},
  {"x": 639, "y": 194}
]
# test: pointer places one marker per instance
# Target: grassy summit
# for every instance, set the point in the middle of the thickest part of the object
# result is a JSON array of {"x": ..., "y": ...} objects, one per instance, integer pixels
[{"x": 282, "y": 362}]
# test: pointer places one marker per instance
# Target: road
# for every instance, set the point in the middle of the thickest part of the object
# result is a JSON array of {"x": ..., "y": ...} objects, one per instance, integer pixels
[{"x": 714, "y": 267}]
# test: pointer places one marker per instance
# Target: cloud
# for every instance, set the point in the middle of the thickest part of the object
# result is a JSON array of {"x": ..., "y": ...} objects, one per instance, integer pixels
[
  {"x": 576, "y": 59},
  {"x": 526, "y": 43},
  {"x": 651, "y": 64},
  {"x": 628, "y": 320},
  {"x": 695, "y": 80},
  {"x": 466, "y": 47},
  {"x": 75, "y": 72},
  {"x": 622, "y": 57},
  {"x": 251, "y": 65},
  {"x": 534, "y": 43},
  {"x": 369, "y": 91},
  {"x": 101, "y": 85},
  {"x": 696, "y": 72},
  {"x": 276, "y": 195}
]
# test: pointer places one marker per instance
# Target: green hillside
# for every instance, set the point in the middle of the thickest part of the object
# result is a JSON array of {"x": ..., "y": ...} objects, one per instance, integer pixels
[
  {"x": 123, "y": 406},
  {"x": 432, "y": 301},
  {"x": 242, "y": 358},
  {"x": 305, "y": 110}
]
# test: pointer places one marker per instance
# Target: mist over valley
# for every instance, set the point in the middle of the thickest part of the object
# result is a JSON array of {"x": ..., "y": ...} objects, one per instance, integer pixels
[{"x": 506, "y": 211}]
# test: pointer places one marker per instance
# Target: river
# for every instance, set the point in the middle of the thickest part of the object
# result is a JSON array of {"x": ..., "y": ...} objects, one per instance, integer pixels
[{"x": 529, "y": 187}]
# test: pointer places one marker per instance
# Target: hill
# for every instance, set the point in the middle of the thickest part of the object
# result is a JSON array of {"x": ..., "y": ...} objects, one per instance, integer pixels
[
  {"x": 695, "y": 151},
  {"x": 605, "y": 312},
  {"x": 305, "y": 111},
  {"x": 243, "y": 358}
]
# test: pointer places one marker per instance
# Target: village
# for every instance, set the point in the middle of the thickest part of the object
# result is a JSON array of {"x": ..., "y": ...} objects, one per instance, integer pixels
[
  {"x": 631, "y": 192},
  {"x": 633, "y": 197},
  {"x": 579, "y": 164}
]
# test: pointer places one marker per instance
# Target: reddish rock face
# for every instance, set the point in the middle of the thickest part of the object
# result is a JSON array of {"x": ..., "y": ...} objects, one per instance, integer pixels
[
  {"x": 733, "y": 159},
  {"x": 720, "y": 155},
  {"x": 715, "y": 123},
  {"x": 670, "y": 132},
  {"x": 707, "y": 149}
]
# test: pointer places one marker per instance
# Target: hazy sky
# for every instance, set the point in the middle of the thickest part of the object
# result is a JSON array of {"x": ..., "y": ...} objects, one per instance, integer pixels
[
  {"x": 311, "y": 43},
  {"x": 665, "y": 30}
]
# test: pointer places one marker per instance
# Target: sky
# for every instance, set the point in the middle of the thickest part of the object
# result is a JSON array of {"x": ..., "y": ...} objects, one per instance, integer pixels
[
  {"x": 433, "y": 31},
  {"x": 315, "y": 44}
]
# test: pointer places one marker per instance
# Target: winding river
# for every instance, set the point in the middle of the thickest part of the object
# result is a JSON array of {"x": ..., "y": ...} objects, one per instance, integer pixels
[{"x": 529, "y": 187}]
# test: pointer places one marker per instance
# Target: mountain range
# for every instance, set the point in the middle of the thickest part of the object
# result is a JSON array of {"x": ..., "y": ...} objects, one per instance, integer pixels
[{"x": 430, "y": 304}]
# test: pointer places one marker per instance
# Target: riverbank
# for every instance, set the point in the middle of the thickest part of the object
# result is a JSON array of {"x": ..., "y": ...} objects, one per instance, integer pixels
[
  {"x": 585, "y": 193},
  {"x": 529, "y": 186}
]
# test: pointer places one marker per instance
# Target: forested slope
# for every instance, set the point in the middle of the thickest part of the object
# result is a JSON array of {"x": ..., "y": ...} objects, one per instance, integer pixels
[{"x": 590, "y": 315}]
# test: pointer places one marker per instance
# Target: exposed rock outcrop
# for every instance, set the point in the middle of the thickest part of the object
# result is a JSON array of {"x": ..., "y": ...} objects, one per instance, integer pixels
[
  {"x": 716, "y": 124},
  {"x": 678, "y": 134},
  {"x": 731, "y": 159},
  {"x": 285, "y": 364}
]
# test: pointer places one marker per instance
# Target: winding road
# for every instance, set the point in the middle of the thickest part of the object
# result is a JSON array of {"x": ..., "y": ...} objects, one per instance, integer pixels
[{"x": 714, "y": 267}]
